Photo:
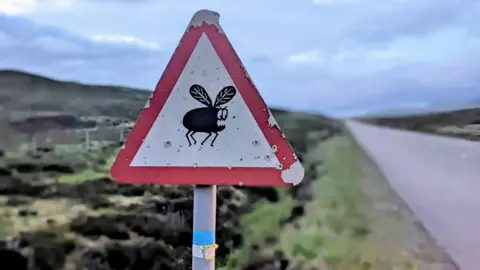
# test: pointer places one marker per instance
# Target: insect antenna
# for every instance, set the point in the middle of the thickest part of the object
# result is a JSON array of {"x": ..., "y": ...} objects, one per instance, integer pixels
[{"x": 199, "y": 93}]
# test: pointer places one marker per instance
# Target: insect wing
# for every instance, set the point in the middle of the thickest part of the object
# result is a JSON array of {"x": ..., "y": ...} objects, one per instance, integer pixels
[
  {"x": 199, "y": 93},
  {"x": 225, "y": 95}
]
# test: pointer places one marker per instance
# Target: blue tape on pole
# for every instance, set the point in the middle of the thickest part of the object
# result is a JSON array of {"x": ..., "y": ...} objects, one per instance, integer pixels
[{"x": 203, "y": 238}]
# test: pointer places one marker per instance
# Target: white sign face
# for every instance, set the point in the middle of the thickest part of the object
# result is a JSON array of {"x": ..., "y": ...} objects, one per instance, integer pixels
[{"x": 205, "y": 122}]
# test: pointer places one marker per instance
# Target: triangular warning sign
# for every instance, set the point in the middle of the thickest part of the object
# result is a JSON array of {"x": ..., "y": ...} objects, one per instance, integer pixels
[{"x": 206, "y": 123}]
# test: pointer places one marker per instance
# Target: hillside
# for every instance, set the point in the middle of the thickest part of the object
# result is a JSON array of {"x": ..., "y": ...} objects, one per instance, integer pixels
[
  {"x": 59, "y": 195},
  {"x": 24, "y": 96},
  {"x": 31, "y": 98},
  {"x": 459, "y": 123},
  {"x": 60, "y": 208},
  {"x": 20, "y": 92}
]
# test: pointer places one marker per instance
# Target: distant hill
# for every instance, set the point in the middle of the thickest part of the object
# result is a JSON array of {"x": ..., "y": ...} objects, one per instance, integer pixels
[
  {"x": 464, "y": 123},
  {"x": 28, "y": 100},
  {"x": 439, "y": 108},
  {"x": 27, "y": 96},
  {"x": 24, "y": 92},
  {"x": 475, "y": 103}
]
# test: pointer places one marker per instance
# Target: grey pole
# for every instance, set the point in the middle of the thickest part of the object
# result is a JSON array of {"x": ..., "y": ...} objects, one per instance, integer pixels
[
  {"x": 121, "y": 133},
  {"x": 87, "y": 139},
  {"x": 204, "y": 217}
]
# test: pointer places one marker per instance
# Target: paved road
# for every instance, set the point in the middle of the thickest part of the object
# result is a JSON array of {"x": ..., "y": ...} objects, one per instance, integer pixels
[{"x": 439, "y": 179}]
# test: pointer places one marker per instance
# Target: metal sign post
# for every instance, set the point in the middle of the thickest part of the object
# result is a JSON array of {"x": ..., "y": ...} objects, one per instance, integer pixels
[{"x": 204, "y": 219}]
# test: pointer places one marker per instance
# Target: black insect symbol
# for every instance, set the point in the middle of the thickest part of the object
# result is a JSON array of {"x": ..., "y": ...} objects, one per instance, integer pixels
[{"x": 210, "y": 119}]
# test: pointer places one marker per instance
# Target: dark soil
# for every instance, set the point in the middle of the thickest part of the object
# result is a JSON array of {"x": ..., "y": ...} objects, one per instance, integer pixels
[
  {"x": 152, "y": 231},
  {"x": 152, "y": 234}
]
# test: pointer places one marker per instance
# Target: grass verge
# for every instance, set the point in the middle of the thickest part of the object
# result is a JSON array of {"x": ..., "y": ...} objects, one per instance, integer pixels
[
  {"x": 81, "y": 177},
  {"x": 337, "y": 230}
]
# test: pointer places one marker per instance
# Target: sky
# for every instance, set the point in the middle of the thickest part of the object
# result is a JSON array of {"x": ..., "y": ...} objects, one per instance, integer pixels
[{"x": 337, "y": 57}]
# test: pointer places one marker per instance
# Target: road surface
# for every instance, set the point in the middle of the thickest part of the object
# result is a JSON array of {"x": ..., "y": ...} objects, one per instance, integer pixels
[{"x": 438, "y": 178}]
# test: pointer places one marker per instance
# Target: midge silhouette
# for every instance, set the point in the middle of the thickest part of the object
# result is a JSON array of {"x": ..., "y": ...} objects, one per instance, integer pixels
[{"x": 210, "y": 119}]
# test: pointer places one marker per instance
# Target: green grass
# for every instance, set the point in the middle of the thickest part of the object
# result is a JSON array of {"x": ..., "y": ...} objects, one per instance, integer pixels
[
  {"x": 94, "y": 170},
  {"x": 335, "y": 230},
  {"x": 336, "y": 223},
  {"x": 89, "y": 164},
  {"x": 81, "y": 177},
  {"x": 331, "y": 226},
  {"x": 5, "y": 222},
  {"x": 262, "y": 223}
]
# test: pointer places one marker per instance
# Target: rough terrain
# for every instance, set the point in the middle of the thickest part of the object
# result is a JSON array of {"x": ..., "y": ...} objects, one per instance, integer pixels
[{"x": 61, "y": 210}]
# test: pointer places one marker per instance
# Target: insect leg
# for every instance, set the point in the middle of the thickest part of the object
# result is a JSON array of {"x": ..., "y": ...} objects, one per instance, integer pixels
[
  {"x": 188, "y": 139},
  {"x": 191, "y": 135},
  {"x": 209, "y": 134},
  {"x": 214, "y": 138}
]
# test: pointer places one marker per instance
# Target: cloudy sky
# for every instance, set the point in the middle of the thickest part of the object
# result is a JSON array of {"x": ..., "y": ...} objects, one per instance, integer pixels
[{"x": 338, "y": 57}]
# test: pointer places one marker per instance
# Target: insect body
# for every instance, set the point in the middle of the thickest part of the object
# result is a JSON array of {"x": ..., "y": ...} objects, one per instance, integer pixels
[{"x": 210, "y": 119}]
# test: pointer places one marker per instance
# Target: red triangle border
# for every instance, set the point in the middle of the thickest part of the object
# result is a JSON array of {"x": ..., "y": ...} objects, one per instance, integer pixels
[{"x": 247, "y": 176}]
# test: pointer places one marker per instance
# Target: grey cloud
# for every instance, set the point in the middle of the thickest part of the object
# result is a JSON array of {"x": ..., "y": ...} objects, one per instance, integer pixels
[
  {"x": 372, "y": 23},
  {"x": 291, "y": 26},
  {"x": 409, "y": 84},
  {"x": 26, "y": 34},
  {"x": 366, "y": 23},
  {"x": 53, "y": 52},
  {"x": 61, "y": 54},
  {"x": 387, "y": 20}
]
